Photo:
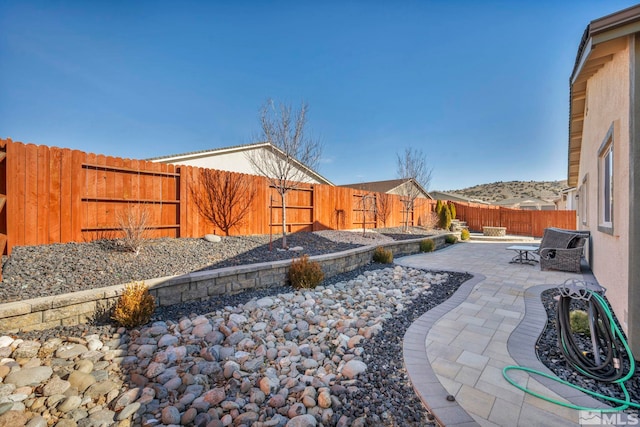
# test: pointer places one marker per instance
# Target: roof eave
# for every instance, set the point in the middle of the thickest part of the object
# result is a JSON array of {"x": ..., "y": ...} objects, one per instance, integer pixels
[{"x": 601, "y": 39}]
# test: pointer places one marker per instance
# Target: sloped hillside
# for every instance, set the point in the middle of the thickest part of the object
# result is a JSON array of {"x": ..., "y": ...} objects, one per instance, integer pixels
[{"x": 496, "y": 191}]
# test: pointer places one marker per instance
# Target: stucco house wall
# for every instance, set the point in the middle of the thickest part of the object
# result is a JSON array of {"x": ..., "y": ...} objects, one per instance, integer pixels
[
  {"x": 607, "y": 110},
  {"x": 235, "y": 159},
  {"x": 232, "y": 162}
]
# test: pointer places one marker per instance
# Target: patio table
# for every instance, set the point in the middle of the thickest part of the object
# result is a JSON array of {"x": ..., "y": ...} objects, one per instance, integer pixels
[{"x": 523, "y": 254}]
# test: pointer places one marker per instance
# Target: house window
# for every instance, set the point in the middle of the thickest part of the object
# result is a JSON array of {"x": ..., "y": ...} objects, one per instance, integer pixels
[{"x": 605, "y": 184}]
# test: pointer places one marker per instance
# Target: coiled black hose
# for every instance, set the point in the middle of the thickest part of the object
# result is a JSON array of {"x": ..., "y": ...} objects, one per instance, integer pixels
[{"x": 604, "y": 363}]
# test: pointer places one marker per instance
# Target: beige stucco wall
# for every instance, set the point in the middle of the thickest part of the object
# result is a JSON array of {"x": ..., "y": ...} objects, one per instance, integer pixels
[
  {"x": 233, "y": 161},
  {"x": 608, "y": 103}
]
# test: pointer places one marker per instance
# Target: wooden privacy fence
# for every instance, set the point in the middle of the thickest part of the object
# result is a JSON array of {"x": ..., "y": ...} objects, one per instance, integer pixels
[
  {"x": 56, "y": 195},
  {"x": 517, "y": 221}
]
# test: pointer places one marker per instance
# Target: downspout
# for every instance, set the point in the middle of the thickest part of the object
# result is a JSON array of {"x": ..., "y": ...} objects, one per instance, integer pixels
[{"x": 633, "y": 308}]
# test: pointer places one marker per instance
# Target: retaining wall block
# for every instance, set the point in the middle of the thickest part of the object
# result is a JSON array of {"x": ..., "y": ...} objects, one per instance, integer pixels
[
  {"x": 14, "y": 309},
  {"x": 69, "y": 311},
  {"x": 194, "y": 293},
  {"x": 20, "y": 322}
]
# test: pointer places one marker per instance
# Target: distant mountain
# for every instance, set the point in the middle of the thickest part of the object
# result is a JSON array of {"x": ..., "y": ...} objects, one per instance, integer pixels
[{"x": 497, "y": 191}]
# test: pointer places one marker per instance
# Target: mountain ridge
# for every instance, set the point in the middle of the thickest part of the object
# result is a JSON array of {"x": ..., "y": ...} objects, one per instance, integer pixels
[{"x": 504, "y": 190}]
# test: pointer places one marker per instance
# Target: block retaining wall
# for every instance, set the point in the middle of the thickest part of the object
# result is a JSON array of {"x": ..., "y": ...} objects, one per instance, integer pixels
[{"x": 84, "y": 306}]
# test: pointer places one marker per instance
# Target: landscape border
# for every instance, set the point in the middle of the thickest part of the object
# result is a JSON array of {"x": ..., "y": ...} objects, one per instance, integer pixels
[{"x": 86, "y": 306}]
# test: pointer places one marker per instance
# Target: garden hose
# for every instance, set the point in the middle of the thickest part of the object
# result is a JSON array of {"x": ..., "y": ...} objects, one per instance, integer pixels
[{"x": 607, "y": 339}]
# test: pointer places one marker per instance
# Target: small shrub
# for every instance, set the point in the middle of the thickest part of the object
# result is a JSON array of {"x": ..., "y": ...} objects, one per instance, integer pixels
[
  {"x": 445, "y": 218},
  {"x": 305, "y": 274},
  {"x": 452, "y": 209},
  {"x": 464, "y": 234},
  {"x": 438, "y": 207},
  {"x": 133, "y": 224},
  {"x": 427, "y": 245},
  {"x": 135, "y": 306},
  {"x": 382, "y": 255},
  {"x": 450, "y": 239},
  {"x": 579, "y": 321}
]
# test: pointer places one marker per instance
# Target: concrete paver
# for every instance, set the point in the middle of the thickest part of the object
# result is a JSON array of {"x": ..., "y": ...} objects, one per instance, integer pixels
[{"x": 460, "y": 347}]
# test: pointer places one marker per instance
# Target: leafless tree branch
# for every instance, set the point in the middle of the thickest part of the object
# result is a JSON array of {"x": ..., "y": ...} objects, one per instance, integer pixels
[
  {"x": 223, "y": 198},
  {"x": 291, "y": 152},
  {"x": 412, "y": 166}
]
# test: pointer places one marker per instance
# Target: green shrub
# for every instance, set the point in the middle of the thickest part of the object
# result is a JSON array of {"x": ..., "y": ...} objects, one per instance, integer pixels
[
  {"x": 450, "y": 239},
  {"x": 464, "y": 234},
  {"x": 452, "y": 209},
  {"x": 579, "y": 321},
  {"x": 135, "y": 306},
  {"x": 382, "y": 255},
  {"x": 438, "y": 207},
  {"x": 445, "y": 218},
  {"x": 305, "y": 274},
  {"x": 427, "y": 245}
]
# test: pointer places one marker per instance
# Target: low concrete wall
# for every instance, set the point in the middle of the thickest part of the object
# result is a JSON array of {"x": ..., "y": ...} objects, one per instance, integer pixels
[{"x": 83, "y": 306}]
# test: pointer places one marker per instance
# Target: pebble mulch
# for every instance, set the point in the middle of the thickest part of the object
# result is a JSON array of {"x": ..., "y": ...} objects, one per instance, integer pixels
[
  {"x": 325, "y": 357},
  {"x": 37, "y": 271}
]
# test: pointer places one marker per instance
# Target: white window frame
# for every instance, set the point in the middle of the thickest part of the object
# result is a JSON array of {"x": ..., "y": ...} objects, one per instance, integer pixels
[
  {"x": 583, "y": 200},
  {"x": 606, "y": 168}
]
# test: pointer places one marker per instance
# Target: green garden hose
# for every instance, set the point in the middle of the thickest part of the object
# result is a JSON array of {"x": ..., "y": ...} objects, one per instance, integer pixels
[{"x": 609, "y": 334}]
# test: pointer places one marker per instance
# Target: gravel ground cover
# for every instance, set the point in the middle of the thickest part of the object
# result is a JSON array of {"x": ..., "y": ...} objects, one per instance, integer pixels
[
  {"x": 36, "y": 271},
  {"x": 381, "y": 395},
  {"x": 550, "y": 354}
]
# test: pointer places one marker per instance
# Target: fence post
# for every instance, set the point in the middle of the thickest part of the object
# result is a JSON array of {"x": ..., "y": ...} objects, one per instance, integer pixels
[
  {"x": 182, "y": 201},
  {"x": 3, "y": 200}
]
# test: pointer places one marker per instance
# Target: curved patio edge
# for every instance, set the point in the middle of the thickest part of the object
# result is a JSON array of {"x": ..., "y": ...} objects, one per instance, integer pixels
[
  {"x": 423, "y": 378},
  {"x": 520, "y": 346}
]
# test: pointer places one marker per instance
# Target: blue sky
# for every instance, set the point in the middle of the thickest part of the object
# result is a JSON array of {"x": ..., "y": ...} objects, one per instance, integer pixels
[{"x": 480, "y": 87}]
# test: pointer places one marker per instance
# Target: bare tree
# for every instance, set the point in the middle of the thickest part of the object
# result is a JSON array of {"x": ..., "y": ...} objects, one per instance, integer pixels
[
  {"x": 383, "y": 207},
  {"x": 224, "y": 198},
  {"x": 289, "y": 154},
  {"x": 412, "y": 167}
]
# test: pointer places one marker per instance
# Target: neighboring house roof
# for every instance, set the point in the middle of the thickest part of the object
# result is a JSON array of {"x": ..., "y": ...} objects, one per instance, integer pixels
[
  {"x": 392, "y": 186},
  {"x": 184, "y": 157},
  {"x": 455, "y": 197},
  {"x": 601, "y": 39},
  {"x": 526, "y": 203}
]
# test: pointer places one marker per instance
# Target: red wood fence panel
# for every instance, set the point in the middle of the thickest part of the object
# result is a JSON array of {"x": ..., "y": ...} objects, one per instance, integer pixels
[
  {"x": 518, "y": 221},
  {"x": 3, "y": 199},
  {"x": 59, "y": 195}
]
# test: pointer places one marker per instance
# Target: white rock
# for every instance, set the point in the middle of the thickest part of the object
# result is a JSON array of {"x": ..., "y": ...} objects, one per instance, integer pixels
[
  {"x": 6, "y": 341},
  {"x": 353, "y": 368},
  {"x": 212, "y": 238},
  {"x": 265, "y": 302}
]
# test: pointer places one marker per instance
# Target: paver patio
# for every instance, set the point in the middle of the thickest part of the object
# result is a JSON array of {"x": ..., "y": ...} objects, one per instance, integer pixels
[{"x": 460, "y": 347}]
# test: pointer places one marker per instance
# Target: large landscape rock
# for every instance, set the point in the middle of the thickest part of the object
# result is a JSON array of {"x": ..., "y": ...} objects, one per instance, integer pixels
[{"x": 292, "y": 359}]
